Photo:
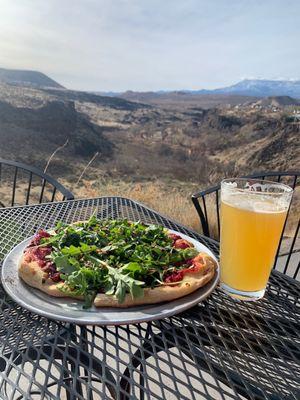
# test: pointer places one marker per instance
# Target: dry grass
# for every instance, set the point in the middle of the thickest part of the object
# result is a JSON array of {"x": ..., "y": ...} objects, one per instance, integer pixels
[
  {"x": 172, "y": 199},
  {"x": 173, "y": 202}
]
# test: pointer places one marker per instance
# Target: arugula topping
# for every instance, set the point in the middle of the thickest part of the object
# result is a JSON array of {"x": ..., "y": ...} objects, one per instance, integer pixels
[
  {"x": 119, "y": 283},
  {"x": 116, "y": 257}
]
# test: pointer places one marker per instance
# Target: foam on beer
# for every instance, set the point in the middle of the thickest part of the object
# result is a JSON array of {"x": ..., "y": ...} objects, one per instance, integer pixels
[{"x": 254, "y": 201}]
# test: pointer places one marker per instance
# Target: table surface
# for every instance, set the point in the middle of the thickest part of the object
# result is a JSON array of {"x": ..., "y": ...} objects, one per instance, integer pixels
[{"x": 219, "y": 349}]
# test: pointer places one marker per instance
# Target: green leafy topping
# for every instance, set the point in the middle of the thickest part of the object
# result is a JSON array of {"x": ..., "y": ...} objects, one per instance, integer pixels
[
  {"x": 116, "y": 257},
  {"x": 119, "y": 284}
]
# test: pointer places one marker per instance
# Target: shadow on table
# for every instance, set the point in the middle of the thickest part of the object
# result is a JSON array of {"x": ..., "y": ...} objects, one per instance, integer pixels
[{"x": 253, "y": 349}]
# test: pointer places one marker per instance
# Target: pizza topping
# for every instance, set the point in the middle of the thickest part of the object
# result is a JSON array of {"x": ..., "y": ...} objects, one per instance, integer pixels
[
  {"x": 179, "y": 242},
  {"x": 177, "y": 276},
  {"x": 56, "y": 277},
  {"x": 115, "y": 257},
  {"x": 182, "y": 244},
  {"x": 37, "y": 238},
  {"x": 174, "y": 277},
  {"x": 188, "y": 262},
  {"x": 174, "y": 237},
  {"x": 38, "y": 253},
  {"x": 198, "y": 260}
]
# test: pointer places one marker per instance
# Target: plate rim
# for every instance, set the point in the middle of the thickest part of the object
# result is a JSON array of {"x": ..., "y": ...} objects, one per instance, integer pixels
[{"x": 188, "y": 301}]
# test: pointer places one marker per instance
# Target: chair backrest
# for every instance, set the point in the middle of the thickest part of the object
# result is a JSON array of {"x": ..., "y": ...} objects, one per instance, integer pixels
[
  {"x": 22, "y": 184},
  {"x": 287, "y": 259}
]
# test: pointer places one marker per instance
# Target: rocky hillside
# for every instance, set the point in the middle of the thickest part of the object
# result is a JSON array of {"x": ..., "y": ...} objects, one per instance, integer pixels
[
  {"x": 278, "y": 101},
  {"x": 32, "y": 134},
  {"x": 139, "y": 142},
  {"x": 86, "y": 97},
  {"x": 202, "y": 145}
]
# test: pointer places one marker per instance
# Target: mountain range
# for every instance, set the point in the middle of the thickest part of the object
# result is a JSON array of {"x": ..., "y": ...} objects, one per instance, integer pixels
[
  {"x": 259, "y": 88},
  {"x": 247, "y": 87}
]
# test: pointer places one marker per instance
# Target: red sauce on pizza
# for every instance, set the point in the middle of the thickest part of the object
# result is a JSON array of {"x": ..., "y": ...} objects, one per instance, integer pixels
[
  {"x": 174, "y": 237},
  {"x": 38, "y": 254},
  {"x": 196, "y": 264},
  {"x": 193, "y": 263},
  {"x": 38, "y": 236},
  {"x": 179, "y": 242},
  {"x": 174, "y": 277},
  {"x": 182, "y": 244}
]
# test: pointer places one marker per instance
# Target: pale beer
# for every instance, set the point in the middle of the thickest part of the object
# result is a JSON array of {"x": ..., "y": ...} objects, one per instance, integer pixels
[{"x": 251, "y": 226}]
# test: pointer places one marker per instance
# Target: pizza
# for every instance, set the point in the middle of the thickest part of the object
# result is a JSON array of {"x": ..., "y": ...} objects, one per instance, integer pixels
[{"x": 114, "y": 263}]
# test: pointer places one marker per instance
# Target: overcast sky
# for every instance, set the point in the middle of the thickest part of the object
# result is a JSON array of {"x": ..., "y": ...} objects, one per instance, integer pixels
[{"x": 117, "y": 45}]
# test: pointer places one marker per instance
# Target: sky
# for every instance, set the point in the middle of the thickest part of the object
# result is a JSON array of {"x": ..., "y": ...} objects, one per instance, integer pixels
[{"x": 118, "y": 45}]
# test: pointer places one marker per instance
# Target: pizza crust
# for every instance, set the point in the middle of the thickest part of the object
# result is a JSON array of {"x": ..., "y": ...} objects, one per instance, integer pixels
[
  {"x": 190, "y": 283},
  {"x": 34, "y": 276}
]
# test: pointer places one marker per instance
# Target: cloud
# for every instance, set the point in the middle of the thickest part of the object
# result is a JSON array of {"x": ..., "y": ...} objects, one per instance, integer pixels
[{"x": 150, "y": 44}]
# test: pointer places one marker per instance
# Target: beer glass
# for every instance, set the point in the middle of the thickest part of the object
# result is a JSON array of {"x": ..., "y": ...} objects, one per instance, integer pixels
[{"x": 253, "y": 213}]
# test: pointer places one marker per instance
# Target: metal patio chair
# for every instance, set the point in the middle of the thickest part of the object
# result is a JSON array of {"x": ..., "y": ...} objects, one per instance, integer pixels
[
  {"x": 287, "y": 258},
  {"x": 22, "y": 184}
]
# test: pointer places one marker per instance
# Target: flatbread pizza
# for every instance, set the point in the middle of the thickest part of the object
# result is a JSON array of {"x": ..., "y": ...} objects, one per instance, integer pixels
[{"x": 114, "y": 263}]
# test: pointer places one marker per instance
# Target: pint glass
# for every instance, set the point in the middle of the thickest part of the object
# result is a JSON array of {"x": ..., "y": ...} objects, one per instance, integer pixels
[{"x": 253, "y": 213}]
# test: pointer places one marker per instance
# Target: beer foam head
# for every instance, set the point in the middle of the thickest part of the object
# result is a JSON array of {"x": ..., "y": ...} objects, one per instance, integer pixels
[{"x": 257, "y": 197}]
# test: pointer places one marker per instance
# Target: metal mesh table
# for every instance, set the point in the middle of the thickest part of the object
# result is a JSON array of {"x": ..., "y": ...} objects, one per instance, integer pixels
[{"x": 220, "y": 349}]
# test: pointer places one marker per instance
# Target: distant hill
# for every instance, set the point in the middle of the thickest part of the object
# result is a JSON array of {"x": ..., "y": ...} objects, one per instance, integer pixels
[
  {"x": 247, "y": 87},
  {"x": 33, "y": 97},
  {"x": 261, "y": 88},
  {"x": 27, "y": 78},
  {"x": 107, "y": 101},
  {"x": 278, "y": 101},
  {"x": 180, "y": 99}
]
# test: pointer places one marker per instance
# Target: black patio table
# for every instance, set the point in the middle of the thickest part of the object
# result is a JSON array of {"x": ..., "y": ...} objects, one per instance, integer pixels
[{"x": 219, "y": 349}]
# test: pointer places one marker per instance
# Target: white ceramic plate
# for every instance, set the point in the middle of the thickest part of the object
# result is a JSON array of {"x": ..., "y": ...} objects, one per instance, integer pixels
[{"x": 70, "y": 310}]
